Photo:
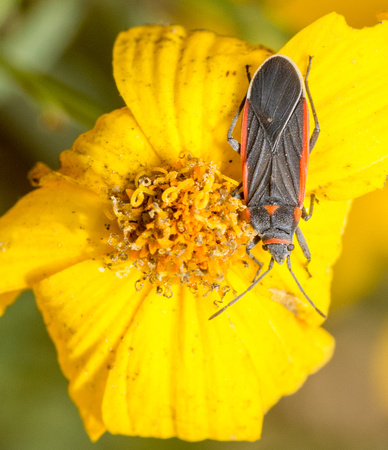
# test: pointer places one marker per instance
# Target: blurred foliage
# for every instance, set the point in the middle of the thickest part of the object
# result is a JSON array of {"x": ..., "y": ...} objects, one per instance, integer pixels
[
  {"x": 371, "y": 247},
  {"x": 56, "y": 72},
  {"x": 287, "y": 13},
  {"x": 55, "y": 81}
]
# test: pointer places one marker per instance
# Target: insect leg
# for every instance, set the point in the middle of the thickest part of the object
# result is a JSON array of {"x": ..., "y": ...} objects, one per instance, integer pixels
[
  {"x": 241, "y": 295},
  {"x": 314, "y": 136},
  {"x": 303, "y": 244},
  {"x": 301, "y": 289},
  {"x": 250, "y": 246},
  {"x": 236, "y": 193},
  {"x": 248, "y": 72},
  {"x": 232, "y": 141},
  {"x": 306, "y": 216},
  {"x": 299, "y": 235}
]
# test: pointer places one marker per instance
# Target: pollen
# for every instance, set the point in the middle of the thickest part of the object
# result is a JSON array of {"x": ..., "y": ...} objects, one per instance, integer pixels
[{"x": 179, "y": 224}]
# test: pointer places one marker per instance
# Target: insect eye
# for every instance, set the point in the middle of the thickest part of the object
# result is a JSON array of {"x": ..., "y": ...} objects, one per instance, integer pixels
[
  {"x": 290, "y": 247},
  {"x": 265, "y": 247}
]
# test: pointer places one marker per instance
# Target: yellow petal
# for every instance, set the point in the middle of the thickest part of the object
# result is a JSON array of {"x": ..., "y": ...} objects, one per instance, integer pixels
[
  {"x": 184, "y": 88},
  {"x": 47, "y": 230},
  {"x": 142, "y": 364},
  {"x": 197, "y": 379},
  {"x": 109, "y": 154},
  {"x": 348, "y": 82},
  {"x": 87, "y": 310},
  {"x": 7, "y": 299}
]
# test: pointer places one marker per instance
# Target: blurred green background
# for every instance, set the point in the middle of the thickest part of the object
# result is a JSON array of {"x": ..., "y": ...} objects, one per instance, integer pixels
[{"x": 55, "y": 81}]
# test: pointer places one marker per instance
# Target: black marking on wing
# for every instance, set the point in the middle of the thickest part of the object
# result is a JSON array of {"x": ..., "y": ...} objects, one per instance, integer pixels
[
  {"x": 274, "y": 92},
  {"x": 273, "y": 172}
]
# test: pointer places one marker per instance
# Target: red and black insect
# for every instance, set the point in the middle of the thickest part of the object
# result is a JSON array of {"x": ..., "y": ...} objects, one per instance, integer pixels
[{"x": 275, "y": 148}]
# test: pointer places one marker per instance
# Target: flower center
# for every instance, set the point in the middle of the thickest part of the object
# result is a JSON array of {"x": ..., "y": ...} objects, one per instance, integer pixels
[{"x": 179, "y": 224}]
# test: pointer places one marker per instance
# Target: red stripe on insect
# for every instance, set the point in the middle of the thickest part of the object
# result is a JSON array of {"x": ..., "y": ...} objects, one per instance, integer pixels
[
  {"x": 276, "y": 241},
  {"x": 271, "y": 208},
  {"x": 244, "y": 136},
  {"x": 297, "y": 214}
]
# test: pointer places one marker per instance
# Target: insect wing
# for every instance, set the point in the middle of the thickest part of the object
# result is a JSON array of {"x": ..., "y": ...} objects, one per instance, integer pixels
[{"x": 275, "y": 134}]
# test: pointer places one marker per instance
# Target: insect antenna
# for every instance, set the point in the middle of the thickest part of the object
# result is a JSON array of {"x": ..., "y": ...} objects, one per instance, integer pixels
[
  {"x": 301, "y": 289},
  {"x": 241, "y": 295}
]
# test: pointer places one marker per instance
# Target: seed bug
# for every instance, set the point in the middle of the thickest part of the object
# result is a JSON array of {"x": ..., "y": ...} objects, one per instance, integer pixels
[{"x": 275, "y": 147}]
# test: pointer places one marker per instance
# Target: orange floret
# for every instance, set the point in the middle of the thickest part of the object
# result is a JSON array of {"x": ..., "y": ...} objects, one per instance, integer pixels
[{"x": 179, "y": 224}]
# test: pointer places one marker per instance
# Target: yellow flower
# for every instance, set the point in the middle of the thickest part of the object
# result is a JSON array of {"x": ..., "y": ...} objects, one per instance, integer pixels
[{"x": 141, "y": 363}]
